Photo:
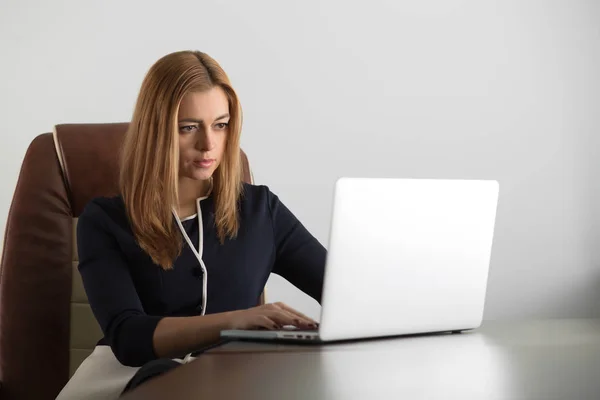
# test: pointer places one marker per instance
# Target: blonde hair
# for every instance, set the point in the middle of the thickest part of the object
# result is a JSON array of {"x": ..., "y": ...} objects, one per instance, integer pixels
[{"x": 150, "y": 155}]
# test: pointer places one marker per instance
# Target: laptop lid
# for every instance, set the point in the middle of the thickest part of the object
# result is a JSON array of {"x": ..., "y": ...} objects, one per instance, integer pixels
[{"x": 407, "y": 256}]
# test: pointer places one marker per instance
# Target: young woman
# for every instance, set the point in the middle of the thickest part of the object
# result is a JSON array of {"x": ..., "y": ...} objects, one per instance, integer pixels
[{"x": 186, "y": 249}]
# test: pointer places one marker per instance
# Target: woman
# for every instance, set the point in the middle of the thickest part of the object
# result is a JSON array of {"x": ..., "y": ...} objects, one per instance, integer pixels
[{"x": 186, "y": 249}]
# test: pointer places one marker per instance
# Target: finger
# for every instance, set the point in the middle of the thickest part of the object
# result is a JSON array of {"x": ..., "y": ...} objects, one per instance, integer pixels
[
  {"x": 281, "y": 317},
  {"x": 298, "y": 321},
  {"x": 263, "y": 321},
  {"x": 295, "y": 312}
]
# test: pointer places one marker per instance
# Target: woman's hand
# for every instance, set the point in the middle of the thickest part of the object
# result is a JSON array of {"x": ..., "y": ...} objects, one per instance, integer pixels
[{"x": 270, "y": 316}]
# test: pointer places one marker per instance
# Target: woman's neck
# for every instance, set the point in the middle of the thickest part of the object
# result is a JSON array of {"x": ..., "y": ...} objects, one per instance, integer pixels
[{"x": 189, "y": 191}]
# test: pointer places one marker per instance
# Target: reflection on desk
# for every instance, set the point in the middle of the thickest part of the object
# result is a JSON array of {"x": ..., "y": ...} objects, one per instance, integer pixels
[{"x": 552, "y": 359}]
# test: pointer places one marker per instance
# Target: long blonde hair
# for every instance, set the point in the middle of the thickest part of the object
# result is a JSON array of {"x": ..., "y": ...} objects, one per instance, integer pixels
[{"x": 150, "y": 155}]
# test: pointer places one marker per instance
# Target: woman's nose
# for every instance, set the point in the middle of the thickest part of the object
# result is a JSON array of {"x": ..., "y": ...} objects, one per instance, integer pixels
[{"x": 206, "y": 141}]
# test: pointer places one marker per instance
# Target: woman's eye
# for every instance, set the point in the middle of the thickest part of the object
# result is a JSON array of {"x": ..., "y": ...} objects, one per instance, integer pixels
[
  {"x": 222, "y": 125},
  {"x": 187, "y": 128}
]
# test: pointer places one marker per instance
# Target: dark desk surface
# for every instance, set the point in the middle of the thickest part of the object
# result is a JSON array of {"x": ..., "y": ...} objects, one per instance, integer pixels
[{"x": 551, "y": 359}]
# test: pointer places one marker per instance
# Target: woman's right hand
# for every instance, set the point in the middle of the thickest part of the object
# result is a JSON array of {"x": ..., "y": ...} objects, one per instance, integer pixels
[{"x": 270, "y": 316}]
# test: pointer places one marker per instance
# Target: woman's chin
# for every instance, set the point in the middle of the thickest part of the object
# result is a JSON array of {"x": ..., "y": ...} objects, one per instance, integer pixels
[
  {"x": 199, "y": 174},
  {"x": 201, "y": 177}
]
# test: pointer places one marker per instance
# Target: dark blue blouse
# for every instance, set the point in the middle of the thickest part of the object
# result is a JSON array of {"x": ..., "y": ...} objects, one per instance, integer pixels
[{"x": 129, "y": 294}]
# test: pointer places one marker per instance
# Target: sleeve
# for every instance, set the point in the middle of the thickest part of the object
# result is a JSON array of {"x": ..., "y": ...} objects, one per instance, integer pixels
[
  {"x": 299, "y": 257},
  {"x": 111, "y": 291}
]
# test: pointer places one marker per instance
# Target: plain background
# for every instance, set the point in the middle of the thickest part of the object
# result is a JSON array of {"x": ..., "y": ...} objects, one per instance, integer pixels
[{"x": 506, "y": 90}]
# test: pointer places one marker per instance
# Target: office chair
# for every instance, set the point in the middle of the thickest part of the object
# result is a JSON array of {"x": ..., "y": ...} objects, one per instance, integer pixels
[{"x": 47, "y": 327}]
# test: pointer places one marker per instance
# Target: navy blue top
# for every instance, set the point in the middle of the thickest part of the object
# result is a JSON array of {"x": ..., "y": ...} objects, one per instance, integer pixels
[{"x": 129, "y": 293}]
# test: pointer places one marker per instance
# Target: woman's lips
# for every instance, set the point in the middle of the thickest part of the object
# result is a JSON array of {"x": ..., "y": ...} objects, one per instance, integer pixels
[{"x": 204, "y": 163}]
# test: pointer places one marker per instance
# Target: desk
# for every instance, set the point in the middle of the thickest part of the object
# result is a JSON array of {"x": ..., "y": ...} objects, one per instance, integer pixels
[{"x": 550, "y": 359}]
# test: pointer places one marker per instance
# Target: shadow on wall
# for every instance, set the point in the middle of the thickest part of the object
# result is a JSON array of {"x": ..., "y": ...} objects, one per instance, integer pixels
[
  {"x": 586, "y": 302},
  {"x": 595, "y": 296}
]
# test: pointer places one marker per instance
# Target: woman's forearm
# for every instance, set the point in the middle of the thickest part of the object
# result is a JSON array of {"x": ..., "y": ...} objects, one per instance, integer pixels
[{"x": 177, "y": 336}]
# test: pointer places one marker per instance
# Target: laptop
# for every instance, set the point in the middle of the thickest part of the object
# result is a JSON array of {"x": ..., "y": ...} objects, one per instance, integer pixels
[{"x": 405, "y": 257}]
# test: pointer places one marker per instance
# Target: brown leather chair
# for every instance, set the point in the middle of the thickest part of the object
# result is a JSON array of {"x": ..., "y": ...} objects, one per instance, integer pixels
[{"x": 46, "y": 325}]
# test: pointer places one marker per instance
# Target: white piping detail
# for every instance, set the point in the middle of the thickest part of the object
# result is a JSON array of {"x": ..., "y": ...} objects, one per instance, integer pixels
[
  {"x": 201, "y": 230},
  {"x": 189, "y": 218},
  {"x": 61, "y": 161},
  {"x": 198, "y": 253}
]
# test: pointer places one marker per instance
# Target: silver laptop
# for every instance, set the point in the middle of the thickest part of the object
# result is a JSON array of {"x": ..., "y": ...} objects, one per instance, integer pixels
[{"x": 405, "y": 256}]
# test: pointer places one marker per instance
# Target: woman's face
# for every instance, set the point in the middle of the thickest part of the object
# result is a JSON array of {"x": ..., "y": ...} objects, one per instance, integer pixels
[{"x": 203, "y": 122}]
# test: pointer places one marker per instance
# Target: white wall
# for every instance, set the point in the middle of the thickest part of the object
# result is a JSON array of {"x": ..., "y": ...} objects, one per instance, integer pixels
[{"x": 507, "y": 90}]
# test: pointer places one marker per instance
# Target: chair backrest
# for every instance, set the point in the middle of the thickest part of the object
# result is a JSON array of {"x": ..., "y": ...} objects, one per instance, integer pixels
[{"x": 47, "y": 327}]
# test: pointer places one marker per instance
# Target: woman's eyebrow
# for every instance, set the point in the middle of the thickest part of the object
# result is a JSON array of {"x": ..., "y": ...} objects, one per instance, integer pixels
[{"x": 199, "y": 121}]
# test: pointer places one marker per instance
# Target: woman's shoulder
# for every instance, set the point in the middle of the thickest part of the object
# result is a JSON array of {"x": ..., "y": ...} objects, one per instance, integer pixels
[
  {"x": 112, "y": 208},
  {"x": 252, "y": 191},
  {"x": 257, "y": 195},
  {"x": 260, "y": 201},
  {"x": 105, "y": 208}
]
